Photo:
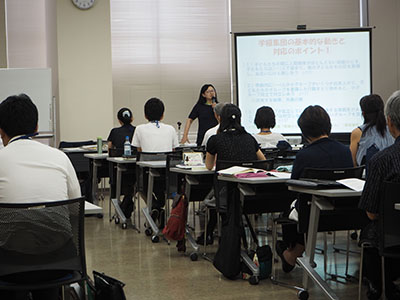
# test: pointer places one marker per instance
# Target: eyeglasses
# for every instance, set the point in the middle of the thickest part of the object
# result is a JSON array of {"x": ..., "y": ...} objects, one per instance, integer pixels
[{"x": 208, "y": 92}]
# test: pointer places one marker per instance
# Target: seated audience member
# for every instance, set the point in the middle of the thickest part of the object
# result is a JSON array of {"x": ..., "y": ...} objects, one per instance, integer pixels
[
  {"x": 384, "y": 166},
  {"x": 155, "y": 137},
  {"x": 373, "y": 133},
  {"x": 322, "y": 152},
  {"x": 32, "y": 172},
  {"x": 213, "y": 131},
  {"x": 116, "y": 140},
  {"x": 265, "y": 121},
  {"x": 224, "y": 146}
]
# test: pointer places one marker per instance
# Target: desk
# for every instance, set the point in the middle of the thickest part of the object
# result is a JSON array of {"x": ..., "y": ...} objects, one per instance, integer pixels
[
  {"x": 262, "y": 205},
  {"x": 318, "y": 203},
  {"x": 397, "y": 206},
  {"x": 97, "y": 161},
  {"x": 189, "y": 183},
  {"x": 153, "y": 166},
  {"x": 121, "y": 167}
]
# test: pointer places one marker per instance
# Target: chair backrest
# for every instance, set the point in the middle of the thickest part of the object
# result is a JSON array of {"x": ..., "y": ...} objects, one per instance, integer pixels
[
  {"x": 42, "y": 236},
  {"x": 389, "y": 218},
  {"x": 119, "y": 152},
  {"x": 267, "y": 164},
  {"x": 152, "y": 156},
  {"x": 142, "y": 173},
  {"x": 64, "y": 144},
  {"x": 333, "y": 174},
  {"x": 270, "y": 152}
]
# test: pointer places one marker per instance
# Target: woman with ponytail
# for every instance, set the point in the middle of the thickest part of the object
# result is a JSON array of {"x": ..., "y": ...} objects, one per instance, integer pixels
[
  {"x": 116, "y": 140},
  {"x": 373, "y": 135},
  {"x": 232, "y": 142}
]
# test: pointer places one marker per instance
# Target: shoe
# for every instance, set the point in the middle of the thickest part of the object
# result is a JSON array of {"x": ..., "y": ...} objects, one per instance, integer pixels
[
  {"x": 280, "y": 248},
  {"x": 200, "y": 240}
]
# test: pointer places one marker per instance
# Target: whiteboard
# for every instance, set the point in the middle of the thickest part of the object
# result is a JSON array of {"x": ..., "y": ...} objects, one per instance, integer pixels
[{"x": 36, "y": 83}]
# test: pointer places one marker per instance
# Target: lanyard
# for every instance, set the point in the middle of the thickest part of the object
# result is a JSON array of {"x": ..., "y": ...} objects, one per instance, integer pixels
[
  {"x": 157, "y": 123},
  {"x": 23, "y": 137}
]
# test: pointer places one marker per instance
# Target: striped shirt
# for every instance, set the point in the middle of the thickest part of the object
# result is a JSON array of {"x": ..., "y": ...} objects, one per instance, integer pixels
[{"x": 383, "y": 166}]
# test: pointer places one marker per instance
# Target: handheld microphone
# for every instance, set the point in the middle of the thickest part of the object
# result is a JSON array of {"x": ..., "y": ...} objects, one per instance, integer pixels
[{"x": 214, "y": 99}]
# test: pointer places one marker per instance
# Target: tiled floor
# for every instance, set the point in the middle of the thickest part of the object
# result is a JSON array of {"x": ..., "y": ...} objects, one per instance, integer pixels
[{"x": 158, "y": 271}]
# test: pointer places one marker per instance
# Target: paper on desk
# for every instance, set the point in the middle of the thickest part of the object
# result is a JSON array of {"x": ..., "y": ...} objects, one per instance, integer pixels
[
  {"x": 280, "y": 174},
  {"x": 353, "y": 183}
]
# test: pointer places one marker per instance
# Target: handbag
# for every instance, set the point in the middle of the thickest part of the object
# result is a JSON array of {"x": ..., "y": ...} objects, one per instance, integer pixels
[{"x": 108, "y": 288}]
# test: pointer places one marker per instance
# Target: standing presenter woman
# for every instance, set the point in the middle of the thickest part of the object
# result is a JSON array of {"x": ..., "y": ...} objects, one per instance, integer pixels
[{"x": 203, "y": 110}]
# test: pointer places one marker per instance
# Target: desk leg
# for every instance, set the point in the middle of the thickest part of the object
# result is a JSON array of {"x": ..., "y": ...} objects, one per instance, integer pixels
[
  {"x": 311, "y": 238},
  {"x": 307, "y": 261},
  {"x": 94, "y": 183},
  {"x": 147, "y": 210},
  {"x": 120, "y": 215}
]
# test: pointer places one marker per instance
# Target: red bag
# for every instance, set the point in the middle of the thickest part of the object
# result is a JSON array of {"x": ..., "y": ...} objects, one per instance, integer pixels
[{"x": 175, "y": 228}]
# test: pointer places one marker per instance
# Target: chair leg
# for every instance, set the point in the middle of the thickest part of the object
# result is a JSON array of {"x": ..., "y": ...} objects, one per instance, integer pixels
[
  {"x": 383, "y": 279},
  {"x": 205, "y": 229},
  {"x": 194, "y": 213},
  {"x": 361, "y": 272},
  {"x": 347, "y": 254},
  {"x": 325, "y": 255}
]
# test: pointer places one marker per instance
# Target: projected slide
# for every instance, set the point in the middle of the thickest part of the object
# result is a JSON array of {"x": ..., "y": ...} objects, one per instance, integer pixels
[{"x": 290, "y": 71}]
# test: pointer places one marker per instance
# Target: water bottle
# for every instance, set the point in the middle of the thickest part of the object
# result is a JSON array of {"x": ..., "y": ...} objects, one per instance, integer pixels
[
  {"x": 99, "y": 145},
  {"x": 127, "y": 147}
]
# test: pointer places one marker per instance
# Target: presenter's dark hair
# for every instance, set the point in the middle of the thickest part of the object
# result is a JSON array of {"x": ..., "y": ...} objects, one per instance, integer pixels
[
  {"x": 154, "y": 109},
  {"x": 125, "y": 115},
  {"x": 314, "y": 122},
  {"x": 203, "y": 89},
  {"x": 372, "y": 107},
  {"x": 18, "y": 115},
  {"x": 265, "y": 117},
  {"x": 230, "y": 119}
]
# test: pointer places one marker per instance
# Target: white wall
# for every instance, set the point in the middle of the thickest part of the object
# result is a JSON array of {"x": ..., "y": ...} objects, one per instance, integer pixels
[
  {"x": 384, "y": 15},
  {"x": 264, "y": 15},
  {"x": 84, "y": 69},
  {"x": 3, "y": 45}
]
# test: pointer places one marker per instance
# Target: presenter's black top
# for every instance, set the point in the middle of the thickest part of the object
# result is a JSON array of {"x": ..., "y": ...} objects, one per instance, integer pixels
[
  {"x": 323, "y": 153},
  {"x": 118, "y": 134},
  {"x": 233, "y": 146},
  {"x": 207, "y": 120}
]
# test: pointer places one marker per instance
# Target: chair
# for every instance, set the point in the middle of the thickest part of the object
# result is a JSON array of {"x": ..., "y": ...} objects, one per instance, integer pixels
[
  {"x": 389, "y": 230},
  {"x": 146, "y": 178},
  {"x": 80, "y": 164},
  {"x": 175, "y": 183},
  {"x": 48, "y": 219},
  {"x": 328, "y": 221},
  {"x": 128, "y": 180}
]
